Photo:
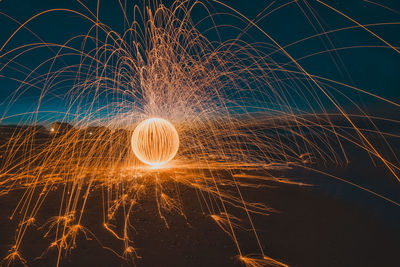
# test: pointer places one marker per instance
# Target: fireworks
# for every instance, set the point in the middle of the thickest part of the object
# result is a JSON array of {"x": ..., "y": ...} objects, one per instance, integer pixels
[{"x": 216, "y": 115}]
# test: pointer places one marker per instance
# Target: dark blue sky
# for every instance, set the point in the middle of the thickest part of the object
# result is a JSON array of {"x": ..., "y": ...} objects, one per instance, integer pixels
[{"x": 376, "y": 70}]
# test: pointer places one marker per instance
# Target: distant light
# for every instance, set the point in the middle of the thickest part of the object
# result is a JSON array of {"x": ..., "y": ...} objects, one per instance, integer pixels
[{"x": 52, "y": 130}]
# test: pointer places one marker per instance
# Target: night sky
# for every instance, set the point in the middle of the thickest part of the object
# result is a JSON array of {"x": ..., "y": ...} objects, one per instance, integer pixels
[{"x": 375, "y": 70}]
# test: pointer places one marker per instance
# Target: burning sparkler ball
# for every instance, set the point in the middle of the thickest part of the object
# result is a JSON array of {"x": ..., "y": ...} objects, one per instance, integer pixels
[{"x": 155, "y": 141}]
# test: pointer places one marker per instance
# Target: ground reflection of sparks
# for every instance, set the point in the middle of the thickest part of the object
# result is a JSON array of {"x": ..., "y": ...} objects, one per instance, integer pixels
[{"x": 230, "y": 101}]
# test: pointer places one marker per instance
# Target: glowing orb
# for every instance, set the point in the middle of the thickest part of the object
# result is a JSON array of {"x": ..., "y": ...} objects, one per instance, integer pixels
[{"x": 155, "y": 141}]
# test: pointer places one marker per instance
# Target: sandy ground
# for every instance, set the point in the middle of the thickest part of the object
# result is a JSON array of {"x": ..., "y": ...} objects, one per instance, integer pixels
[
  {"x": 314, "y": 227},
  {"x": 328, "y": 224}
]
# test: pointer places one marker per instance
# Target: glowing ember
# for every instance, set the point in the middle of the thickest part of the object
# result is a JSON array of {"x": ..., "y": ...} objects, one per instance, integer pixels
[{"x": 155, "y": 141}]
